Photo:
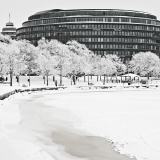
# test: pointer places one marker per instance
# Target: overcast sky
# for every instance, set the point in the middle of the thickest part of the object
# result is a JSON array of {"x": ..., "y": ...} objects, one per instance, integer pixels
[{"x": 20, "y": 10}]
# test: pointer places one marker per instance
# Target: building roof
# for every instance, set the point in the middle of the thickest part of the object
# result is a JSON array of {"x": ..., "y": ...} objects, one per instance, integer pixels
[
  {"x": 9, "y": 29},
  {"x": 9, "y": 24},
  {"x": 131, "y": 13}
]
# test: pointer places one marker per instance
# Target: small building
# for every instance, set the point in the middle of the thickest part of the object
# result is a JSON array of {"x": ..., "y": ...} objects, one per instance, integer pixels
[{"x": 9, "y": 30}]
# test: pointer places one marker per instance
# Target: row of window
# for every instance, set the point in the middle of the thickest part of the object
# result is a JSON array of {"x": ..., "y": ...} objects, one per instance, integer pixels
[
  {"x": 92, "y": 40},
  {"x": 89, "y": 39},
  {"x": 96, "y": 33},
  {"x": 105, "y": 49},
  {"x": 118, "y": 46},
  {"x": 94, "y": 27},
  {"x": 123, "y": 40},
  {"x": 118, "y": 40},
  {"x": 106, "y": 33},
  {"x": 118, "y": 53},
  {"x": 90, "y": 19}
]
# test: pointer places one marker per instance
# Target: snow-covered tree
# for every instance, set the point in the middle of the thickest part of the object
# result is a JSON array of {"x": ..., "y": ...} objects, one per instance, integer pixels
[
  {"x": 10, "y": 58},
  {"x": 145, "y": 63},
  {"x": 78, "y": 48},
  {"x": 97, "y": 66},
  {"x": 85, "y": 54},
  {"x": 120, "y": 67},
  {"x": 53, "y": 46},
  {"x": 3, "y": 70},
  {"x": 91, "y": 66},
  {"x": 63, "y": 63},
  {"x": 106, "y": 67},
  {"x": 5, "y": 39},
  {"x": 29, "y": 56},
  {"x": 57, "y": 50},
  {"x": 75, "y": 66},
  {"x": 1, "y": 58},
  {"x": 47, "y": 63},
  {"x": 43, "y": 44}
]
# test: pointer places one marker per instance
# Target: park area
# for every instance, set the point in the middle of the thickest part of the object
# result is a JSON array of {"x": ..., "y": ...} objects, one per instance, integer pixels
[{"x": 124, "y": 81}]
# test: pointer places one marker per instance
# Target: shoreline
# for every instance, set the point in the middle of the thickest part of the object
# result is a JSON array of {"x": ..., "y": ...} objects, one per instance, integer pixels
[{"x": 14, "y": 90}]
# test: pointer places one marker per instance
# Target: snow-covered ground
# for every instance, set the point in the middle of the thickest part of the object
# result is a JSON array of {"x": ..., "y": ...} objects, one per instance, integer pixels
[{"x": 130, "y": 118}]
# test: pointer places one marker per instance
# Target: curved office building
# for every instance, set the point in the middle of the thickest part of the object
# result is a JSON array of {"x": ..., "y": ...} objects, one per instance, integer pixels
[{"x": 104, "y": 31}]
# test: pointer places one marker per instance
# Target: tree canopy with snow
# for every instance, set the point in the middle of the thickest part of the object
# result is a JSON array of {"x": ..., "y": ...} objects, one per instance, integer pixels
[
  {"x": 11, "y": 59},
  {"x": 120, "y": 67},
  {"x": 73, "y": 59},
  {"x": 145, "y": 63},
  {"x": 5, "y": 39},
  {"x": 86, "y": 56},
  {"x": 29, "y": 55}
]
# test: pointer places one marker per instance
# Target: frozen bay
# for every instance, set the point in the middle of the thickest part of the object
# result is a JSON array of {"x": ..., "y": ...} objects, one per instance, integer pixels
[{"x": 128, "y": 118}]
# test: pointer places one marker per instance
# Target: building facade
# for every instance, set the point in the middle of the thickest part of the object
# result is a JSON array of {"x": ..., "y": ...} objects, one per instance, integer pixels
[
  {"x": 104, "y": 31},
  {"x": 9, "y": 30}
]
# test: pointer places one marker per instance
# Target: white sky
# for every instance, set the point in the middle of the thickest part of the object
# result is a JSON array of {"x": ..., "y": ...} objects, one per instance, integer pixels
[{"x": 20, "y": 10}]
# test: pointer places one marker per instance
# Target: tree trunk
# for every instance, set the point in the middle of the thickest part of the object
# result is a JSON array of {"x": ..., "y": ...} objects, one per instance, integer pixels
[
  {"x": 84, "y": 78},
  {"x": 97, "y": 78},
  {"x": 74, "y": 79},
  {"x": 71, "y": 79},
  {"x": 116, "y": 79},
  {"x": 44, "y": 79},
  {"x": 61, "y": 76},
  {"x": 10, "y": 78},
  {"x": 88, "y": 79},
  {"x": 53, "y": 78},
  {"x": 29, "y": 80},
  {"x": 47, "y": 78},
  {"x": 60, "y": 80},
  {"x": 148, "y": 76},
  {"x": 100, "y": 78},
  {"x": 104, "y": 80},
  {"x": 19, "y": 80}
]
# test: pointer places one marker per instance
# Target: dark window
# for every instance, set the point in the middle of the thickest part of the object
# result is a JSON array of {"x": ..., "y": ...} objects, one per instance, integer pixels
[{"x": 115, "y": 19}]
